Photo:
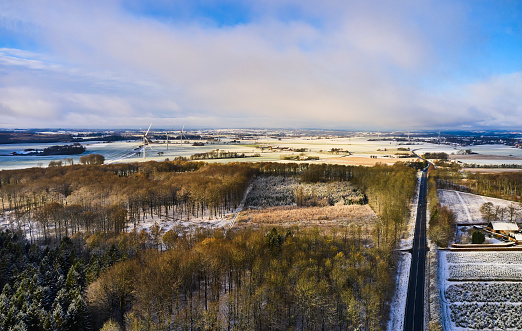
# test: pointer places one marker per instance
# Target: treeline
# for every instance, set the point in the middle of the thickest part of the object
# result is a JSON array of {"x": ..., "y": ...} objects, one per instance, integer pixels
[
  {"x": 92, "y": 159},
  {"x": 250, "y": 280},
  {"x": 217, "y": 154},
  {"x": 75, "y": 148},
  {"x": 442, "y": 219},
  {"x": 435, "y": 155},
  {"x": 506, "y": 185},
  {"x": 492, "y": 166}
]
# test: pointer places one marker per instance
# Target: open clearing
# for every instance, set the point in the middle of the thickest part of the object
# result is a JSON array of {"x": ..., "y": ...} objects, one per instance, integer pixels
[
  {"x": 308, "y": 216},
  {"x": 466, "y": 206}
]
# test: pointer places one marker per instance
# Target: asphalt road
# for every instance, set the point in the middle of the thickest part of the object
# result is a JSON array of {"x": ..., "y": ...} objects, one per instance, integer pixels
[{"x": 414, "y": 316}]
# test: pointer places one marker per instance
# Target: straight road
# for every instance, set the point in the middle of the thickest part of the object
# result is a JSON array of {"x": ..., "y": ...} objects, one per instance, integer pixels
[{"x": 414, "y": 316}]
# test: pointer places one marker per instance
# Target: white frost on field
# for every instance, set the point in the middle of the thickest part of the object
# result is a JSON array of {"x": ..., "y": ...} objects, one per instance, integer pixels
[
  {"x": 398, "y": 304},
  {"x": 485, "y": 280},
  {"x": 466, "y": 206}
]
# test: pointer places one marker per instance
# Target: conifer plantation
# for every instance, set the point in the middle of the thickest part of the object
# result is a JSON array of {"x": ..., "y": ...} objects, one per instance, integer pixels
[{"x": 73, "y": 261}]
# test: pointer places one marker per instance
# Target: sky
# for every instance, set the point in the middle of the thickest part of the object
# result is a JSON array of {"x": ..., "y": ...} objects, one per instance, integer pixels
[{"x": 332, "y": 64}]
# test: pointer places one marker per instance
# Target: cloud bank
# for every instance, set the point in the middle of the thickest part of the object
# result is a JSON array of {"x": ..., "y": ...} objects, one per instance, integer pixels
[{"x": 368, "y": 65}]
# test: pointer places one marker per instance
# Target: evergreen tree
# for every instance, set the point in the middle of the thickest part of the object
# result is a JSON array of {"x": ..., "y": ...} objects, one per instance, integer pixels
[{"x": 58, "y": 317}]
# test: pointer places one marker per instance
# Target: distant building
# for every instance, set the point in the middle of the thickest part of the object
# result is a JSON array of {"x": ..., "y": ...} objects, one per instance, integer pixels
[{"x": 503, "y": 227}]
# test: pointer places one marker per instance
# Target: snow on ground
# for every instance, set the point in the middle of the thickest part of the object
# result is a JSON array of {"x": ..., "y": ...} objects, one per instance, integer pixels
[
  {"x": 464, "y": 234},
  {"x": 398, "y": 304},
  {"x": 216, "y": 222},
  {"x": 466, "y": 206},
  {"x": 180, "y": 225},
  {"x": 488, "y": 301},
  {"x": 407, "y": 242}
]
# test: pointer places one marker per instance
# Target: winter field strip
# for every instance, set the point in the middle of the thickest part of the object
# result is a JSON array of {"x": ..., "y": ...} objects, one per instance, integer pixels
[
  {"x": 485, "y": 257},
  {"x": 482, "y": 290}
]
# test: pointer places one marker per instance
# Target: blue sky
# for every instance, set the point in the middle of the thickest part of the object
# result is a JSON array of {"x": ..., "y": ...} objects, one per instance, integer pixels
[{"x": 373, "y": 64}]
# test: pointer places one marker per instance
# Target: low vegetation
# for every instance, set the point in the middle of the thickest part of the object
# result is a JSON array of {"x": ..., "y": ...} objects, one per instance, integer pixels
[
  {"x": 270, "y": 191},
  {"x": 330, "y": 216}
]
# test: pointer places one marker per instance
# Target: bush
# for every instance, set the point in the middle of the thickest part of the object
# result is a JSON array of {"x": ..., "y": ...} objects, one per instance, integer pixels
[{"x": 477, "y": 237}]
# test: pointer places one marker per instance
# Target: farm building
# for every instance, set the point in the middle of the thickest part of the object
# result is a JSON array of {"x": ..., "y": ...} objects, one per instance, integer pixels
[{"x": 503, "y": 227}]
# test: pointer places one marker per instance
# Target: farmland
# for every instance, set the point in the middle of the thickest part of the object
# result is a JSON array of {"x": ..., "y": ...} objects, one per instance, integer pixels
[{"x": 482, "y": 290}]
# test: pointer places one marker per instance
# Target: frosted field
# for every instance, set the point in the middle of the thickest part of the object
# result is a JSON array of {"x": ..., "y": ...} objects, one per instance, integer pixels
[
  {"x": 360, "y": 148},
  {"x": 481, "y": 290},
  {"x": 124, "y": 151},
  {"x": 466, "y": 206}
]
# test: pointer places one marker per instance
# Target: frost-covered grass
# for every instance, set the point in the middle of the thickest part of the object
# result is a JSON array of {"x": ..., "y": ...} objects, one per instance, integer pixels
[
  {"x": 270, "y": 191},
  {"x": 499, "y": 258},
  {"x": 466, "y": 206},
  {"x": 484, "y": 292},
  {"x": 485, "y": 272},
  {"x": 487, "y": 316}
]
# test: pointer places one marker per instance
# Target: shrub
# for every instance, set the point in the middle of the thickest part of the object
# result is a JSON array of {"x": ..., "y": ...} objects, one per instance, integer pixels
[{"x": 477, "y": 237}]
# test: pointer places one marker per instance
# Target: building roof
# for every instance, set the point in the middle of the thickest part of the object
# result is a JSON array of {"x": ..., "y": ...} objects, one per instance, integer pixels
[
  {"x": 517, "y": 236},
  {"x": 504, "y": 226}
]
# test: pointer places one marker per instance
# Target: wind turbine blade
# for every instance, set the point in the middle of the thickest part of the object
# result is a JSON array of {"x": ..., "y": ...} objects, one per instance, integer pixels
[
  {"x": 147, "y": 130},
  {"x": 149, "y": 143}
]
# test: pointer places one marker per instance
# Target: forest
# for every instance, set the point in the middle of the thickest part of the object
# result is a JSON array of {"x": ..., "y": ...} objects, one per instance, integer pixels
[
  {"x": 72, "y": 260},
  {"x": 504, "y": 185}
]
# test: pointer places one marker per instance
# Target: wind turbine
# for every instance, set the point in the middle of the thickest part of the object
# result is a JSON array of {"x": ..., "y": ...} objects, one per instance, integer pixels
[
  {"x": 146, "y": 141},
  {"x": 181, "y": 137}
]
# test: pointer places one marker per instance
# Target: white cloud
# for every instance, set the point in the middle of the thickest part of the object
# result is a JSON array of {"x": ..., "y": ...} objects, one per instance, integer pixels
[{"x": 338, "y": 64}]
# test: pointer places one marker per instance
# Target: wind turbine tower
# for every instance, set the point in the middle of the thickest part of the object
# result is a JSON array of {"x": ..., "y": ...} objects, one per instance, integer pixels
[{"x": 146, "y": 142}]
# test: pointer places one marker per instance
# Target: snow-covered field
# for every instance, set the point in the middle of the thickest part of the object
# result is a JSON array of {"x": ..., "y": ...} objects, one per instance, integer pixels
[
  {"x": 466, "y": 206},
  {"x": 124, "y": 151},
  {"x": 481, "y": 290}
]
